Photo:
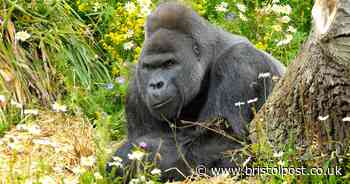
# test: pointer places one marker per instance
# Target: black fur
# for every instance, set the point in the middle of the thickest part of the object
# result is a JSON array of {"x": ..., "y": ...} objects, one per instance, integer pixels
[{"x": 204, "y": 71}]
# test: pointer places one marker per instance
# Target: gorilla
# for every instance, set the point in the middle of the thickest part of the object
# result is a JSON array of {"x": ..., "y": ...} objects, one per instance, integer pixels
[{"x": 190, "y": 76}]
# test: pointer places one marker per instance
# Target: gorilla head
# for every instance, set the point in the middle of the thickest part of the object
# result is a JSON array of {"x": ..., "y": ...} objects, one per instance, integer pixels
[{"x": 173, "y": 61}]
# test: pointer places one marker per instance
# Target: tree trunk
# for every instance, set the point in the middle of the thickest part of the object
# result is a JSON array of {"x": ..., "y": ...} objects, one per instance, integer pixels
[{"x": 310, "y": 105}]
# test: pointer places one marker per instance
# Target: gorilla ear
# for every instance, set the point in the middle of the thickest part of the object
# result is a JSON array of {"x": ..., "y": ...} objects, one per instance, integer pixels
[{"x": 196, "y": 49}]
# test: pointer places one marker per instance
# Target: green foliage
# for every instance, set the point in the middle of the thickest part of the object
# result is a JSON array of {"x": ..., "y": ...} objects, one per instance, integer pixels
[
  {"x": 294, "y": 157},
  {"x": 273, "y": 26},
  {"x": 104, "y": 103}
]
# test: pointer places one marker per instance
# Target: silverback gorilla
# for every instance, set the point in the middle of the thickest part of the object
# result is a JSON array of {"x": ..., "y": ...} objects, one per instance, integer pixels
[{"x": 192, "y": 71}]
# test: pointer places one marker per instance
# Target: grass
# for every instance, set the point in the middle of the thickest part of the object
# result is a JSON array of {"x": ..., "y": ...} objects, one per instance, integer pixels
[{"x": 50, "y": 145}]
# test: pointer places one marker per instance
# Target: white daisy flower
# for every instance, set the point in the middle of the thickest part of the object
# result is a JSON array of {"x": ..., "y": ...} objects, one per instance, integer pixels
[
  {"x": 278, "y": 154},
  {"x": 291, "y": 29},
  {"x": 136, "y": 155},
  {"x": 246, "y": 161},
  {"x": 78, "y": 170},
  {"x": 42, "y": 141},
  {"x": 285, "y": 19},
  {"x": 130, "y": 7},
  {"x": 281, "y": 9},
  {"x": 130, "y": 33},
  {"x": 128, "y": 45},
  {"x": 238, "y": 104},
  {"x": 98, "y": 176},
  {"x": 2, "y": 99},
  {"x": 241, "y": 7},
  {"x": 144, "y": 2},
  {"x": 88, "y": 161},
  {"x": 252, "y": 100},
  {"x": 34, "y": 130},
  {"x": 74, "y": 180},
  {"x": 145, "y": 11},
  {"x": 281, "y": 163},
  {"x": 346, "y": 119},
  {"x": 286, "y": 41},
  {"x": 22, "y": 36},
  {"x": 156, "y": 171},
  {"x": 56, "y": 107},
  {"x": 47, "y": 180},
  {"x": 264, "y": 75},
  {"x": 222, "y": 7},
  {"x": 16, "y": 104},
  {"x": 243, "y": 17},
  {"x": 31, "y": 111},
  {"x": 323, "y": 118}
]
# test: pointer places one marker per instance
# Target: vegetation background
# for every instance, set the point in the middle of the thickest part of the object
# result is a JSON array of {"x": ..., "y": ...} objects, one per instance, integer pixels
[{"x": 64, "y": 73}]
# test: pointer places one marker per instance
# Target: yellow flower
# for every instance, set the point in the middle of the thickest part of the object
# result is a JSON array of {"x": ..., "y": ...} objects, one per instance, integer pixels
[
  {"x": 137, "y": 52},
  {"x": 83, "y": 7},
  {"x": 260, "y": 45},
  {"x": 277, "y": 28}
]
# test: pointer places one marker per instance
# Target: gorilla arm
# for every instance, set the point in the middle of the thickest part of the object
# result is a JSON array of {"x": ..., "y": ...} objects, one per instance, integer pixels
[{"x": 234, "y": 79}]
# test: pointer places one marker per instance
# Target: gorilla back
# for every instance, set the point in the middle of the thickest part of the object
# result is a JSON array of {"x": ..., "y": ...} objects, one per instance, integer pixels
[{"x": 191, "y": 71}]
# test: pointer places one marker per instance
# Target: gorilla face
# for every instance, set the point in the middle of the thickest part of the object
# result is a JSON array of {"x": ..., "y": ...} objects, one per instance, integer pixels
[{"x": 169, "y": 72}]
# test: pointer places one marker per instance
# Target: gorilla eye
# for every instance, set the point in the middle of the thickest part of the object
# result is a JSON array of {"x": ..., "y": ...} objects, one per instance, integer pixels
[
  {"x": 147, "y": 66},
  {"x": 196, "y": 49},
  {"x": 169, "y": 63}
]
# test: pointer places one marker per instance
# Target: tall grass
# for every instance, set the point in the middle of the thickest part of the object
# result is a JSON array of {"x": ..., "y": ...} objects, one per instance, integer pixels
[{"x": 58, "y": 54}]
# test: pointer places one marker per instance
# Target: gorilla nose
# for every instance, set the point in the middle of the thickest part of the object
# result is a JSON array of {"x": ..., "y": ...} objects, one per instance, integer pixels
[
  {"x": 157, "y": 91},
  {"x": 157, "y": 85}
]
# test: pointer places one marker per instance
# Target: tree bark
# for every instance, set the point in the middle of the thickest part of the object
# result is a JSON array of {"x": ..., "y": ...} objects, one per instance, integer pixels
[{"x": 310, "y": 105}]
